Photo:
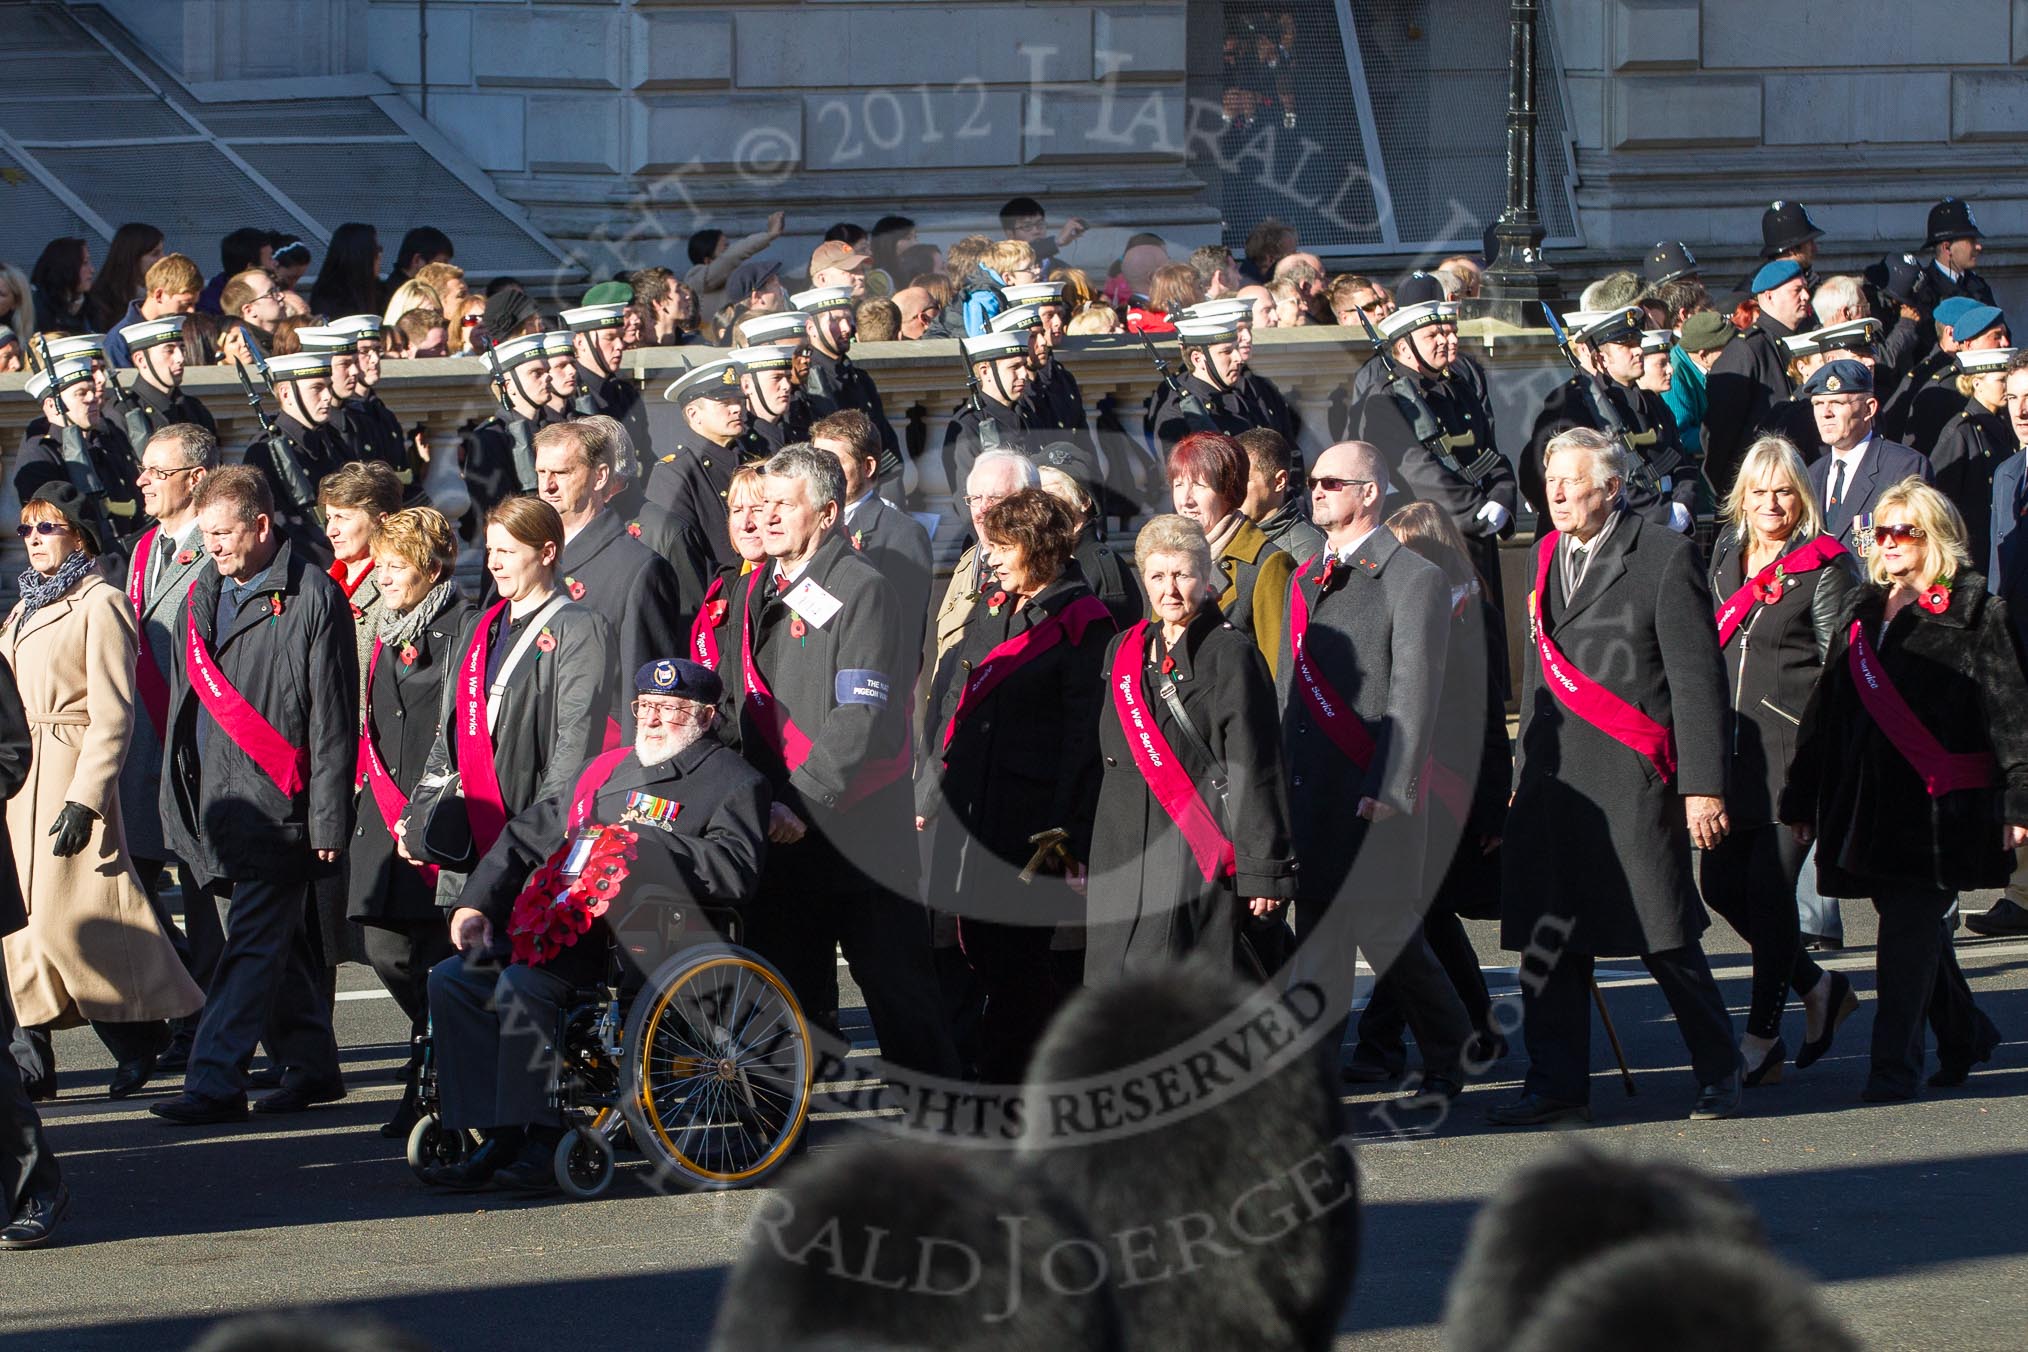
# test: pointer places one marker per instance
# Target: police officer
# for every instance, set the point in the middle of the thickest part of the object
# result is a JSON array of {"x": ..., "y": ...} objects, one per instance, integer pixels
[
  {"x": 156, "y": 349},
  {"x": 1000, "y": 367},
  {"x": 597, "y": 348},
  {"x": 80, "y": 447},
  {"x": 374, "y": 432},
  {"x": 1669, "y": 261},
  {"x": 302, "y": 451},
  {"x": 1955, "y": 243},
  {"x": 1661, "y": 483},
  {"x": 1787, "y": 232},
  {"x": 1435, "y": 427},
  {"x": 833, "y": 324},
  {"x": 1751, "y": 375},
  {"x": 498, "y": 454},
  {"x": 693, "y": 479}
]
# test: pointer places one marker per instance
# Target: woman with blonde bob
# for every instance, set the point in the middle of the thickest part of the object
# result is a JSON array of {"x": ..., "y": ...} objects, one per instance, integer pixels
[
  {"x": 1780, "y": 585},
  {"x": 1911, "y": 773},
  {"x": 1159, "y": 887},
  {"x": 714, "y": 640}
]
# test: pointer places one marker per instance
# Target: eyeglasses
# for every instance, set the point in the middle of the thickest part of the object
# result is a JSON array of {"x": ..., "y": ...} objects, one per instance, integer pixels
[
  {"x": 663, "y": 711},
  {"x": 148, "y": 472},
  {"x": 27, "y": 528},
  {"x": 1331, "y": 484},
  {"x": 979, "y": 501},
  {"x": 1896, "y": 530}
]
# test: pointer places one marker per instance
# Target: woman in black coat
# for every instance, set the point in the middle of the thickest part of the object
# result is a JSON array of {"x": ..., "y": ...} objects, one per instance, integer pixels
[
  {"x": 1911, "y": 772},
  {"x": 1014, "y": 747},
  {"x": 1972, "y": 444},
  {"x": 714, "y": 633},
  {"x": 412, "y": 651},
  {"x": 1156, "y": 894},
  {"x": 1780, "y": 585}
]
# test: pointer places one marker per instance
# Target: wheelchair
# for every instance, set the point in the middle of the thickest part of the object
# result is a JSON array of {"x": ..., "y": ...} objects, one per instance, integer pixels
[{"x": 705, "y": 1064}]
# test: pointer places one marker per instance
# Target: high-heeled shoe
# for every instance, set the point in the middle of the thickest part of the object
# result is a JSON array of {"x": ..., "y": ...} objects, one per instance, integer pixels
[
  {"x": 1769, "y": 1071},
  {"x": 1842, "y": 1004}
]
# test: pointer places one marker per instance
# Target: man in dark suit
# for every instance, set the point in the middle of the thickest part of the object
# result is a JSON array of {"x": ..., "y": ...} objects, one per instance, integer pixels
[
  {"x": 1858, "y": 466},
  {"x": 2007, "y": 577},
  {"x": 891, "y": 540},
  {"x": 1359, "y": 676},
  {"x": 257, "y": 794},
  {"x": 32, "y": 1196},
  {"x": 1620, "y": 770}
]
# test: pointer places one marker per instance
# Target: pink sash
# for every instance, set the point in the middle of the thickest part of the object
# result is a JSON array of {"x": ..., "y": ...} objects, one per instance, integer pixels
[
  {"x": 703, "y": 633},
  {"x": 589, "y": 782},
  {"x": 1009, "y": 657},
  {"x": 387, "y": 795},
  {"x": 1450, "y": 788},
  {"x": 778, "y": 729},
  {"x": 1347, "y": 731},
  {"x": 1942, "y": 771},
  {"x": 286, "y": 765},
  {"x": 478, "y": 777},
  {"x": 147, "y": 676},
  {"x": 1808, "y": 557},
  {"x": 1586, "y": 698},
  {"x": 1171, "y": 786}
]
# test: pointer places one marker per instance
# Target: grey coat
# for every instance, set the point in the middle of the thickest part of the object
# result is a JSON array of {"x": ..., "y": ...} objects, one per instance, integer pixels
[
  {"x": 1595, "y": 836},
  {"x": 141, "y": 772}
]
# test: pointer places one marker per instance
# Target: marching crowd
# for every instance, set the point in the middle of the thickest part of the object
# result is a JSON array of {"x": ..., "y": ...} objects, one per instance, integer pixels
[{"x": 1266, "y": 731}]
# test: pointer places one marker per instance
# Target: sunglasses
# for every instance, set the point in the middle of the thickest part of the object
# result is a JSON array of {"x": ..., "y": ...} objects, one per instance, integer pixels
[
  {"x": 26, "y": 529},
  {"x": 1330, "y": 484},
  {"x": 1897, "y": 531}
]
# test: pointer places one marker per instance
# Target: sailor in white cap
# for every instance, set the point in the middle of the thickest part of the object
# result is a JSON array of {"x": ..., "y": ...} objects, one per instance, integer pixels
[
  {"x": 595, "y": 338},
  {"x": 559, "y": 349},
  {"x": 498, "y": 454},
  {"x": 778, "y": 413},
  {"x": 692, "y": 479},
  {"x": 833, "y": 324},
  {"x": 155, "y": 347},
  {"x": 1207, "y": 396},
  {"x": 303, "y": 449},
  {"x": 1260, "y": 401},
  {"x": 1974, "y": 442},
  {"x": 371, "y": 428},
  {"x": 1000, "y": 365},
  {"x": 81, "y": 447},
  {"x": 1435, "y": 427}
]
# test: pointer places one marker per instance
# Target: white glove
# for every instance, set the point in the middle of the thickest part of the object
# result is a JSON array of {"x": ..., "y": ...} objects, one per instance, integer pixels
[
  {"x": 1679, "y": 518},
  {"x": 1494, "y": 515}
]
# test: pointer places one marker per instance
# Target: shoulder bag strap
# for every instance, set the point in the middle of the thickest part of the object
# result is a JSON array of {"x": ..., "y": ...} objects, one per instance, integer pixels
[{"x": 514, "y": 656}]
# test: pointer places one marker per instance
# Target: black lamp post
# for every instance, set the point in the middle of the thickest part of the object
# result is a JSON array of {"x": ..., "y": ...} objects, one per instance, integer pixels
[{"x": 1519, "y": 278}]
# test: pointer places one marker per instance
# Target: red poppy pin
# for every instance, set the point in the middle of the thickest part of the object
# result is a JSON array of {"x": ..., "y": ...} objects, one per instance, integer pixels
[
  {"x": 1329, "y": 571},
  {"x": 796, "y": 626},
  {"x": 275, "y": 604},
  {"x": 575, "y": 587},
  {"x": 995, "y": 601},
  {"x": 1937, "y": 599},
  {"x": 408, "y": 655},
  {"x": 1168, "y": 665},
  {"x": 859, "y": 539},
  {"x": 1769, "y": 592},
  {"x": 634, "y": 529},
  {"x": 358, "y": 611},
  {"x": 545, "y": 641},
  {"x": 714, "y": 613},
  {"x": 186, "y": 556}
]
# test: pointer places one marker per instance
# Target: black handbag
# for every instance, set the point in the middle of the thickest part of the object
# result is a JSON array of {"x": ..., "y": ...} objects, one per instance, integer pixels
[{"x": 438, "y": 829}]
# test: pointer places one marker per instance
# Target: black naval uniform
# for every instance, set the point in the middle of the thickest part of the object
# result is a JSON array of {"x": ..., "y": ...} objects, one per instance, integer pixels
[
  {"x": 1054, "y": 399},
  {"x": 847, "y": 385},
  {"x": 1457, "y": 398},
  {"x": 764, "y": 435},
  {"x": 494, "y": 1066},
  {"x": 317, "y": 451},
  {"x": 1971, "y": 448},
  {"x": 113, "y": 459},
  {"x": 1651, "y": 435},
  {"x": 899, "y": 548},
  {"x": 605, "y": 569},
  {"x": 1936, "y": 402},
  {"x": 1750, "y": 377},
  {"x": 162, "y": 407},
  {"x": 1936, "y": 370},
  {"x": 372, "y": 432},
  {"x": 963, "y": 439},
  {"x": 1112, "y": 579},
  {"x": 1230, "y": 411},
  {"x": 616, "y": 396},
  {"x": 488, "y": 453},
  {"x": 691, "y": 482}
]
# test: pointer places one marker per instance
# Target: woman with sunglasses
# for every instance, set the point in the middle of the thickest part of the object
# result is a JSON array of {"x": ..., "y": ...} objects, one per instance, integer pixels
[
  {"x": 1911, "y": 773},
  {"x": 1780, "y": 584},
  {"x": 93, "y": 950}
]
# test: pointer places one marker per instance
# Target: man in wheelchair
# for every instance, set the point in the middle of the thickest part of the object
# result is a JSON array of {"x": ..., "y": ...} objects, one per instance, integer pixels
[{"x": 677, "y": 813}]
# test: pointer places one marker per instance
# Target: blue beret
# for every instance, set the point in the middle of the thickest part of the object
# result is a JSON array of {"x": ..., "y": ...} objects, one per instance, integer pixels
[
  {"x": 1972, "y": 322},
  {"x": 1843, "y": 376},
  {"x": 1948, "y": 309},
  {"x": 679, "y": 676},
  {"x": 1778, "y": 273}
]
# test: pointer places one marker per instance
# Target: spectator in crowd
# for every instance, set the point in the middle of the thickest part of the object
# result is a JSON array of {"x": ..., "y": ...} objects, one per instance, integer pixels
[
  {"x": 1291, "y": 304},
  {"x": 836, "y": 263},
  {"x": 877, "y": 320},
  {"x": 169, "y": 287},
  {"x": 1306, "y": 274},
  {"x": 423, "y": 332},
  {"x": 409, "y": 295},
  {"x": 62, "y": 279},
  {"x": 1138, "y": 265},
  {"x": 1265, "y": 314},
  {"x": 1174, "y": 288},
  {"x": 1912, "y": 763},
  {"x": 421, "y": 246},
  {"x": 1349, "y": 295},
  {"x": 1470, "y": 273},
  {"x": 411, "y": 665},
  {"x": 11, "y": 359},
  {"x": 1272, "y": 501},
  {"x": 672, "y": 308},
  {"x": 892, "y": 239},
  {"x": 1096, "y": 318},
  {"x": 17, "y": 305},
  {"x": 1217, "y": 274},
  {"x": 245, "y": 248},
  {"x": 289, "y": 259},
  {"x": 349, "y": 281},
  {"x": 93, "y": 949},
  {"x": 1023, "y": 219},
  {"x": 918, "y": 309},
  {"x": 1270, "y": 242},
  {"x": 714, "y": 257},
  {"x": 446, "y": 281},
  {"x": 509, "y": 314},
  {"x": 136, "y": 247},
  {"x": 284, "y": 341}
]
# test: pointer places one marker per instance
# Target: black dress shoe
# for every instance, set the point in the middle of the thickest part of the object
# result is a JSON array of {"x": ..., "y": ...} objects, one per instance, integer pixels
[
  {"x": 1951, "y": 1074},
  {"x": 33, "y": 1225},
  {"x": 2005, "y": 918},
  {"x": 1720, "y": 1100},
  {"x": 1537, "y": 1110},
  {"x": 477, "y": 1169},
  {"x": 294, "y": 1098},
  {"x": 40, "y": 1091},
  {"x": 131, "y": 1077},
  {"x": 267, "y": 1077},
  {"x": 193, "y": 1110},
  {"x": 1364, "y": 1070},
  {"x": 1435, "y": 1091},
  {"x": 1843, "y": 1005},
  {"x": 533, "y": 1172},
  {"x": 1483, "y": 1048},
  {"x": 1769, "y": 1071},
  {"x": 405, "y": 1117},
  {"x": 175, "y": 1058}
]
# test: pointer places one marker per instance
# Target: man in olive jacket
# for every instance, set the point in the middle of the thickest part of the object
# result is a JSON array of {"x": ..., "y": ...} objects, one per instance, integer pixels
[{"x": 257, "y": 793}]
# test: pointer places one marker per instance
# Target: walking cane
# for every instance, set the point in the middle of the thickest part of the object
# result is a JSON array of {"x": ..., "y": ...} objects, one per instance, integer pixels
[{"x": 1613, "y": 1036}]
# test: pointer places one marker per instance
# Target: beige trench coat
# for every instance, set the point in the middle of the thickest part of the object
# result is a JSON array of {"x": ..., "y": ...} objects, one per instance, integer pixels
[{"x": 93, "y": 948}]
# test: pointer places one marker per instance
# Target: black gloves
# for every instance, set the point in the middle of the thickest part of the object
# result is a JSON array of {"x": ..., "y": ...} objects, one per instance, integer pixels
[{"x": 73, "y": 829}]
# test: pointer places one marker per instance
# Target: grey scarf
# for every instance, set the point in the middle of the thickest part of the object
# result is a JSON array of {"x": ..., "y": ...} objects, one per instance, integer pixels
[
  {"x": 398, "y": 631},
  {"x": 38, "y": 591}
]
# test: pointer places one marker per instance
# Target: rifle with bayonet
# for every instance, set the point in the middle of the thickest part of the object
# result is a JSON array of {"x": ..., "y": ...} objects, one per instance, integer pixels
[
  {"x": 301, "y": 492},
  {"x": 1422, "y": 419},
  {"x": 520, "y": 432},
  {"x": 76, "y": 458},
  {"x": 991, "y": 437},
  {"x": 1640, "y": 472}
]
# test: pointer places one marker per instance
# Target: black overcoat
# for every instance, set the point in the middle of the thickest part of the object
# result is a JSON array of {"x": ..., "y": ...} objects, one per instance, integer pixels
[
  {"x": 692, "y": 481},
  {"x": 1595, "y": 836},
  {"x": 1971, "y": 449},
  {"x": 608, "y": 571},
  {"x": 899, "y": 548}
]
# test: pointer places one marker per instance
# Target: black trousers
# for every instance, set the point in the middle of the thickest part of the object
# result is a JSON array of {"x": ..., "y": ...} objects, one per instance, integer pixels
[
  {"x": 1750, "y": 879},
  {"x": 402, "y": 957},
  {"x": 1385, "y": 1019},
  {"x": 28, "y": 1168},
  {"x": 267, "y": 986},
  {"x": 1428, "y": 1000},
  {"x": 1025, "y": 984},
  {"x": 492, "y": 1030},
  {"x": 35, "y": 1053},
  {"x": 1556, "y": 1019},
  {"x": 1916, "y": 975}
]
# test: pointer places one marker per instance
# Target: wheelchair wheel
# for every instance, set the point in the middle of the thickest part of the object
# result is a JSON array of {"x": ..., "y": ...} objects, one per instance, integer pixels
[
  {"x": 717, "y": 1083},
  {"x": 432, "y": 1145},
  {"x": 584, "y": 1164}
]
